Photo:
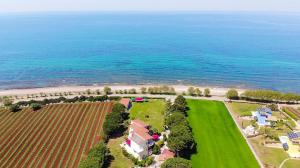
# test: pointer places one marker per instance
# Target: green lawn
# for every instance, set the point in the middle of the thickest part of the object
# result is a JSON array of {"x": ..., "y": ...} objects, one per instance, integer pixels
[
  {"x": 219, "y": 142},
  {"x": 243, "y": 109},
  {"x": 119, "y": 160},
  {"x": 151, "y": 112}
]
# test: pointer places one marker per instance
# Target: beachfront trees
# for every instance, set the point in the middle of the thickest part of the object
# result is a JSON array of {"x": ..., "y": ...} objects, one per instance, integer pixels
[
  {"x": 270, "y": 96},
  {"x": 143, "y": 90},
  {"x": 198, "y": 92},
  {"x": 177, "y": 163},
  {"x": 7, "y": 101},
  {"x": 107, "y": 90},
  {"x": 232, "y": 94},
  {"x": 191, "y": 91},
  {"x": 206, "y": 92}
]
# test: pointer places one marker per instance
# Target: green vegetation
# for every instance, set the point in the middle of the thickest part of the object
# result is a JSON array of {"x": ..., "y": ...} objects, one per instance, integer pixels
[
  {"x": 114, "y": 121},
  {"x": 206, "y": 92},
  {"x": 269, "y": 156},
  {"x": 14, "y": 108},
  {"x": 291, "y": 114},
  {"x": 107, "y": 90},
  {"x": 244, "y": 109},
  {"x": 162, "y": 90},
  {"x": 232, "y": 94},
  {"x": 119, "y": 160},
  {"x": 35, "y": 106},
  {"x": 219, "y": 142},
  {"x": 177, "y": 163},
  {"x": 270, "y": 96},
  {"x": 292, "y": 163},
  {"x": 181, "y": 138},
  {"x": 150, "y": 112},
  {"x": 96, "y": 158}
]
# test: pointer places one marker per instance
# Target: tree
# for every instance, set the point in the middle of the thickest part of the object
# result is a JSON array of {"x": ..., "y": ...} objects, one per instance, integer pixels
[
  {"x": 191, "y": 91},
  {"x": 232, "y": 94},
  {"x": 132, "y": 91},
  {"x": 206, "y": 92},
  {"x": 273, "y": 107},
  {"x": 180, "y": 139},
  {"x": 177, "y": 162},
  {"x": 7, "y": 101},
  {"x": 107, "y": 90},
  {"x": 118, "y": 107},
  {"x": 112, "y": 124},
  {"x": 198, "y": 92},
  {"x": 176, "y": 118},
  {"x": 96, "y": 158},
  {"x": 14, "y": 108},
  {"x": 35, "y": 106},
  {"x": 143, "y": 90},
  {"x": 180, "y": 100}
]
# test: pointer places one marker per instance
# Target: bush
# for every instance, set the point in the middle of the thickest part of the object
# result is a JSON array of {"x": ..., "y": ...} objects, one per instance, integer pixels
[
  {"x": 177, "y": 163},
  {"x": 206, "y": 92},
  {"x": 273, "y": 107},
  {"x": 270, "y": 96},
  {"x": 107, "y": 90},
  {"x": 7, "y": 101},
  {"x": 35, "y": 106},
  {"x": 232, "y": 94},
  {"x": 156, "y": 150},
  {"x": 14, "y": 108}
]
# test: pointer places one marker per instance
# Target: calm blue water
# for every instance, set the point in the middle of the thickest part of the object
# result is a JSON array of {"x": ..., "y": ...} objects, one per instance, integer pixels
[{"x": 222, "y": 49}]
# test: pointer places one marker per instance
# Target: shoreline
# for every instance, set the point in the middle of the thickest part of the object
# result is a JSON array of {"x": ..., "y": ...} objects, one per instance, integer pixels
[{"x": 216, "y": 91}]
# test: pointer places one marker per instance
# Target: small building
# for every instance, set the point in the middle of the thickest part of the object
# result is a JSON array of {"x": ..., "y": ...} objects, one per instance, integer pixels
[
  {"x": 294, "y": 135},
  {"x": 139, "y": 143},
  {"x": 262, "y": 115},
  {"x": 165, "y": 155},
  {"x": 126, "y": 102},
  {"x": 138, "y": 99}
]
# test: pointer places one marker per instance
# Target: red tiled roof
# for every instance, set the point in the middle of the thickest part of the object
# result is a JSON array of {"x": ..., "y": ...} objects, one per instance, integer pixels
[
  {"x": 125, "y": 102},
  {"x": 166, "y": 154},
  {"x": 139, "y": 123},
  {"x": 142, "y": 134}
]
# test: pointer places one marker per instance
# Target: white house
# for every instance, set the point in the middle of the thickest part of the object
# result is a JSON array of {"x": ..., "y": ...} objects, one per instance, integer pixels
[{"x": 139, "y": 142}]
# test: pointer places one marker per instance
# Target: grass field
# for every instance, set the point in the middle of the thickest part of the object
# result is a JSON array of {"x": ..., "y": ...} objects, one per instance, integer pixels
[
  {"x": 219, "y": 142},
  {"x": 271, "y": 157},
  {"x": 292, "y": 163},
  {"x": 244, "y": 109},
  {"x": 150, "y": 112},
  {"x": 55, "y": 136},
  {"x": 119, "y": 160}
]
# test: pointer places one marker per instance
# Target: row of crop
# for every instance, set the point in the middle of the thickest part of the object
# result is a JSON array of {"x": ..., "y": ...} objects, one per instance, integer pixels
[
  {"x": 33, "y": 138},
  {"x": 86, "y": 138},
  {"x": 39, "y": 140},
  {"x": 70, "y": 142},
  {"x": 11, "y": 137},
  {"x": 74, "y": 149},
  {"x": 9, "y": 124},
  {"x": 19, "y": 139},
  {"x": 51, "y": 135},
  {"x": 82, "y": 142},
  {"x": 291, "y": 113},
  {"x": 64, "y": 139},
  {"x": 93, "y": 130},
  {"x": 99, "y": 129},
  {"x": 59, "y": 135},
  {"x": 6, "y": 117}
]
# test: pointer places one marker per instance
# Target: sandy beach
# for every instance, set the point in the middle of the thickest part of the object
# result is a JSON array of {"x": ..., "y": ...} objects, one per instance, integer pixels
[{"x": 215, "y": 91}]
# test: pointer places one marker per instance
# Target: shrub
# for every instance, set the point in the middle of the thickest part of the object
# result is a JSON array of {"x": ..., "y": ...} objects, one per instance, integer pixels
[
  {"x": 206, "y": 92},
  {"x": 156, "y": 150},
  {"x": 14, "y": 108},
  {"x": 35, "y": 106},
  {"x": 232, "y": 94},
  {"x": 177, "y": 163}
]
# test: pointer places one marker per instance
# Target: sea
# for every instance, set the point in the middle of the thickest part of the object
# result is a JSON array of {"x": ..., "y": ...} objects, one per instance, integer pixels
[{"x": 221, "y": 49}]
